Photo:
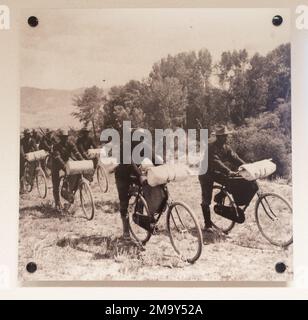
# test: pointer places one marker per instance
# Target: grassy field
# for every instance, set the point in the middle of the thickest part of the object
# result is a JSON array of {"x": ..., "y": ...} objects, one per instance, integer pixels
[{"x": 68, "y": 247}]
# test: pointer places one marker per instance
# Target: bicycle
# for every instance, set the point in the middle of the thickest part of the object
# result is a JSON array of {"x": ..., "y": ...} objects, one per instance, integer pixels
[
  {"x": 102, "y": 178},
  {"x": 179, "y": 227},
  {"x": 85, "y": 195},
  {"x": 271, "y": 211},
  {"x": 34, "y": 173},
  {"x": 47, "y": 166}
]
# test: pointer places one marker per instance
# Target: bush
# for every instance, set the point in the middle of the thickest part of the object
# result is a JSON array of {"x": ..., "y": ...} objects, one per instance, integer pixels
[{"x": 263, "y": 138}]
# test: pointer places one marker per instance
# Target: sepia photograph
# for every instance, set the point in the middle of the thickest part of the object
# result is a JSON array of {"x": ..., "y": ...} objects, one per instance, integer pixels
[{"x": 155, "y": 145}]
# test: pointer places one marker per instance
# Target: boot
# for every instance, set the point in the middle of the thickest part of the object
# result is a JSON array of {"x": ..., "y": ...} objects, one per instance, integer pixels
[
  {"x": 206, "y": 216},
  {"x": 126, "y": 233}
]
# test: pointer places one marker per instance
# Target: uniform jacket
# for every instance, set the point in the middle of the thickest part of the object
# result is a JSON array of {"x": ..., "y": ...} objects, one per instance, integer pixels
[
  {"x": 63, "y": 152},
  {"x": 221, "y": 158},
  {"x": 84, "y": 144}
]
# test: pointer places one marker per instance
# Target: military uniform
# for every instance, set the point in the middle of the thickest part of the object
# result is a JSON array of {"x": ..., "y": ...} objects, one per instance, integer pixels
[
  {"x": 62, "y": 152},
  {"x": 27, "y": 144},
  {"x": 84, "y": 143},
  {"x": 123, "y": 178},
  {"x": 36, "y": 137},
  {"x": 222, "y": 160},
  {"x": 46, "y": 143}
]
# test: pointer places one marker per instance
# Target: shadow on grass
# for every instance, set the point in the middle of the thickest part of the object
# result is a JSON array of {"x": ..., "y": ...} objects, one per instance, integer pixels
[
  {"x": 41, "y": 211},
  {"x": 102, "y": 247}
]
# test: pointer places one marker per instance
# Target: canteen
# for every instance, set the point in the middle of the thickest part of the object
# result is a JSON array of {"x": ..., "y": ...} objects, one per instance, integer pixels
[
  {"x": 36, "y": 155},
  {"x": 79, "y": 167},
  {"x": 257, "y": 170}
]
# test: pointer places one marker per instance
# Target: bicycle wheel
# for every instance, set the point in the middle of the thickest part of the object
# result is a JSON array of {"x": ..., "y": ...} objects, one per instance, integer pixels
[
  {"x": 137, "y": 204},
  {"x": 48, "y": 166},
  {"x": 102, "y": 179},
  {"x": 86, "y": 199},
  {"x": 274, "y": 219},
  {"x": 219, "y": 222},
  {"x": 27, "y": 178},
  {"x": 41, "y": 183},
  {"x": 184, "y": 231}
]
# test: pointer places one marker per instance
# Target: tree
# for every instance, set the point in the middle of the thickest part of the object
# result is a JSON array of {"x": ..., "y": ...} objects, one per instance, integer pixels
[
  {"x": 166, "y": 104},
  {"x": 90, "y": 107},
  {"x": 126, "y": 103}
]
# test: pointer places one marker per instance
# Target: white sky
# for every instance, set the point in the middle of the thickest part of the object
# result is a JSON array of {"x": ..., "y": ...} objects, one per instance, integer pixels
[{"x": 77, "y": 48}]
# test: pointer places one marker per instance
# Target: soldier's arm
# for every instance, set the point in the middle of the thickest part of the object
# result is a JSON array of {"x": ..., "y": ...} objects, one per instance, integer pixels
[
  {"x": 220, "y": 166},
  {"x": 75, "y": 152},
  {"x": 57, "y": 157},
  {"x": 93, "y": 144},
  {"x": 234, "y": 158},
  {"x": 33, "y": 145}
]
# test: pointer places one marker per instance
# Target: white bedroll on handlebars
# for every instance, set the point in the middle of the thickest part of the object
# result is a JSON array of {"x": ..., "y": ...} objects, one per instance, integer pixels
[
  {"x": 95, "y": 153},
  {"x": 257, "y": 170},
  {"x": 79, "y": 167},
  {"x": 36, "y": 155},
  {"x": 166, "y": 173}
]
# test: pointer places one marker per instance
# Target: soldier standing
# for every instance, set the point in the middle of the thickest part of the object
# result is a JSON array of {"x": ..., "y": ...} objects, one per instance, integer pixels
[
  {"x": 27, "y": 144},
  {"x": 222, "y": 160},
  {"x": 62, "y": 152}
]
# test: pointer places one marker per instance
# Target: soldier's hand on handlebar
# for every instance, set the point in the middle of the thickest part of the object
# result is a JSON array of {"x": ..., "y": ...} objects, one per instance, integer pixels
[
  {"x": 233, "y": 174},
  {"x": 143, "y": 179}
]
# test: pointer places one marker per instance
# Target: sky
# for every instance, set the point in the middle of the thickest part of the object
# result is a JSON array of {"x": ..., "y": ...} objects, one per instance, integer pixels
[{"x": 72, "y": 49}]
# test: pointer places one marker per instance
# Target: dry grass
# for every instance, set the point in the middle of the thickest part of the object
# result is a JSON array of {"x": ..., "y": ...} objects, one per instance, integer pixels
[{"x": 68, "y": 247}]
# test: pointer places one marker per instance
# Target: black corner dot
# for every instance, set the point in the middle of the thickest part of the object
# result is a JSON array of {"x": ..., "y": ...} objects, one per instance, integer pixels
[
  {"x": 33, "y": 21},
  {"x": 31, "y": 267},
  {"x": 280, "y": 267},
  {"x": 277, "y": 20}
]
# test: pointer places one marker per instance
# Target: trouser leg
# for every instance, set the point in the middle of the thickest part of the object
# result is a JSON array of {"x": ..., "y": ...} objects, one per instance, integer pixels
[
  {"x": 206, "y": 183},
  {"x": 55, "y": 179},
  {"x": 123, "y": 183}
]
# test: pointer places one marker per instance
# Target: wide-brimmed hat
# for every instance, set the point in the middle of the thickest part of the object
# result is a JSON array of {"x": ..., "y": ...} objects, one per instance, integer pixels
[{"x": 222, "y": 131}]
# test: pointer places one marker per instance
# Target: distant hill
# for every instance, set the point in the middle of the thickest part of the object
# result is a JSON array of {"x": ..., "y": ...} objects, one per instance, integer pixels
[{"x": 47, "y": 108}]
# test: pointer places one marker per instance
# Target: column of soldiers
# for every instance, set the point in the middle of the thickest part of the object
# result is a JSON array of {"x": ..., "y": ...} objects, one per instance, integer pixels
[
  {"x": 222, "y": 162},
  {"x": 61, "y": 147}
]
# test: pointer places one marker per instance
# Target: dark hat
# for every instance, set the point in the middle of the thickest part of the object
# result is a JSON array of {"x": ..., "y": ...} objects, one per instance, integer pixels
[
  {"x": 222, "y": 131},
  {"x": 26, "y": 132}
]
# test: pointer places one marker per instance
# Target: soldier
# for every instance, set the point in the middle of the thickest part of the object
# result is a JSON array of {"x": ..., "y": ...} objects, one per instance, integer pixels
[
  {"x": 62, "y": 152},
  {"x": 36, "y": 137},
  {"x": 27, "y": 144},
  {"x": 123, "y": 177},
  {"x": 85, "y": 142},
  {"x": 46, "y": 141},
  {"x": 222, "y": 160}
]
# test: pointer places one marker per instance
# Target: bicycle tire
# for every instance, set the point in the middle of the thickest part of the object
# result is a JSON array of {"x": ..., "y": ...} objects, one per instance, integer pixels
[
  {"x": 42, "y": 193},
  {"x": 101, "y": 175},
  {"x": 196, "y": 228},
  {"x": 132, "y": 208},
  {"x": 84, "y": 187},
  {"x": 257, "y": 217}
]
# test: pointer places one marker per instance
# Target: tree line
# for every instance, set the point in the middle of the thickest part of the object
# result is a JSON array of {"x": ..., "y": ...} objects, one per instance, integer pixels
[{"x": 189, "y": 90}]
